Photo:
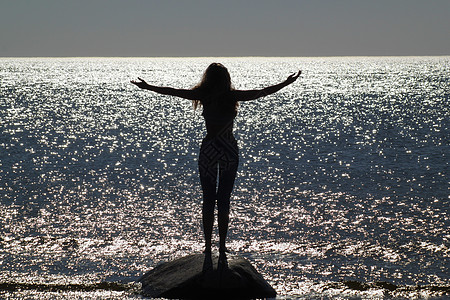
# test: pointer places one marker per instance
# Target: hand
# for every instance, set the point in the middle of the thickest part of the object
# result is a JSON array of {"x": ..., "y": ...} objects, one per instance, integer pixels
[
  {"x": 141, "y": 84},
  {"x": 293, "y": 77}
]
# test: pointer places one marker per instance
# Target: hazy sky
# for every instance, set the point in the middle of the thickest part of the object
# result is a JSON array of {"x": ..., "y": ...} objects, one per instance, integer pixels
[{"x": 224, "y": 27}]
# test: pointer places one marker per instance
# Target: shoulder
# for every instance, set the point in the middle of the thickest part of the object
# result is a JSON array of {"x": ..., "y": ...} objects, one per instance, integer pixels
[{"x": 247, "y": 95}]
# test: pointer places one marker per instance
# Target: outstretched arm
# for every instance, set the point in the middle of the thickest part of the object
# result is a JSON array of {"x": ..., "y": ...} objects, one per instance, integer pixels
[
  {"x": 255, "y": 94},
  {"x": 182, "y": 93}
]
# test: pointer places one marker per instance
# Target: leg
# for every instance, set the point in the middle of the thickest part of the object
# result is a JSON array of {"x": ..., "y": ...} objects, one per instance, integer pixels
[
  {"x": 209, "y": 201},
  {"x": 208, "y": 180},
  {"x": 227, "y": 175}
]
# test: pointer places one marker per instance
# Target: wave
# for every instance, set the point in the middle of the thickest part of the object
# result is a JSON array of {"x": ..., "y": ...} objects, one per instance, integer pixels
[
  {"x": 82, "y": 287},
  {"x": 389, "y": 290}
]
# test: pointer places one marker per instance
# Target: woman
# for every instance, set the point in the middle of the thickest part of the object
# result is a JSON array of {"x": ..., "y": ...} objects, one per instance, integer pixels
[{"x": 218, "y": 160}]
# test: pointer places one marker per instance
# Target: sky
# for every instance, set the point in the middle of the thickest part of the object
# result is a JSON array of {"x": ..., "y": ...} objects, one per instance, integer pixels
[{"x": 154, "y": 28}]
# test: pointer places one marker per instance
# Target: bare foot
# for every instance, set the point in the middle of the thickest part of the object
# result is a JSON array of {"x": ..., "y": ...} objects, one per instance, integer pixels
[{"x": 223, "y": 261}]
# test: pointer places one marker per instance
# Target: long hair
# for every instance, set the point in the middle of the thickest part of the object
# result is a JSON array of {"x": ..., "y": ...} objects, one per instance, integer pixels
[{"x": 215, "y": 80}]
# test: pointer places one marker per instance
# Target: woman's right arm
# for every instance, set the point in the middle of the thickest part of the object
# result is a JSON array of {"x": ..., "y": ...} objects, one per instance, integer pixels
[
  {"x": 242, "y": 95},
  {"x": 182, "y": 93}
]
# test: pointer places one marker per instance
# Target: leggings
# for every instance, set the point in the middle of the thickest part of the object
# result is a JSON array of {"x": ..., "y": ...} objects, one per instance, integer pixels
[{"x": 218, "y": 163}]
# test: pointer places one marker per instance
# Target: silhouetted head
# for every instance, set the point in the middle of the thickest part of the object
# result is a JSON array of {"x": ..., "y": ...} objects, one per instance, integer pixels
[{"x": 216, "y": 79}]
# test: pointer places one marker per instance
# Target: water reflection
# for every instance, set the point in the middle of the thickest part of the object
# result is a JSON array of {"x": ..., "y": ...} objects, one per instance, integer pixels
[{"x": 341, "y": 179}]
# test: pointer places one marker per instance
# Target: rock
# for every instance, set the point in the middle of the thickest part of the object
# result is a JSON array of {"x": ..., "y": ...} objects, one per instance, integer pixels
[{"x": 206, "y": 276}]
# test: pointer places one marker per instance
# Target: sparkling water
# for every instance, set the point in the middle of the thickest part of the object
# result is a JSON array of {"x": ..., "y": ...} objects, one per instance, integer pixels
[{"x": 342, "y": 189}]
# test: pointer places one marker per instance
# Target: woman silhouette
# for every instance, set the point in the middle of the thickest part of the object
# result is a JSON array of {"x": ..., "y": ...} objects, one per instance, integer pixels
[{"x": 218, "y": 160}]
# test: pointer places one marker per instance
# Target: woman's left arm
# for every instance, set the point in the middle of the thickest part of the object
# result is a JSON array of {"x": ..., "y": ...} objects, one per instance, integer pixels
[
  {"x": 255, "y": 94},
  {"x": 182, "y": 93}
]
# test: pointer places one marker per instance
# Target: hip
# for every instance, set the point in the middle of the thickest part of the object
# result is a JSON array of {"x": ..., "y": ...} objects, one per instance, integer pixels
[{"x": 219, "y": 148}]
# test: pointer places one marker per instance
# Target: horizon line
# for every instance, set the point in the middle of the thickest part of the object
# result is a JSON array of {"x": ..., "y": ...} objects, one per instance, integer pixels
[{"x": 221, "y": 56}]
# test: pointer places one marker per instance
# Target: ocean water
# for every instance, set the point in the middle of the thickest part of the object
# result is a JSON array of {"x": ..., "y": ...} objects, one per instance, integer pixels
[{"x": 342, "y": 190}]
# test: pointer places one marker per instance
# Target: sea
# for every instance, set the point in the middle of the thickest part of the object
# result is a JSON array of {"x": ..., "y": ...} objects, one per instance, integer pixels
[{"x": 342, "y": 190}]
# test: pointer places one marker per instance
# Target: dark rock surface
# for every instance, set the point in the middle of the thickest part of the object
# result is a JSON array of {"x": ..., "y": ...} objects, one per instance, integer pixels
[{"x": 205, "y": 276}]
